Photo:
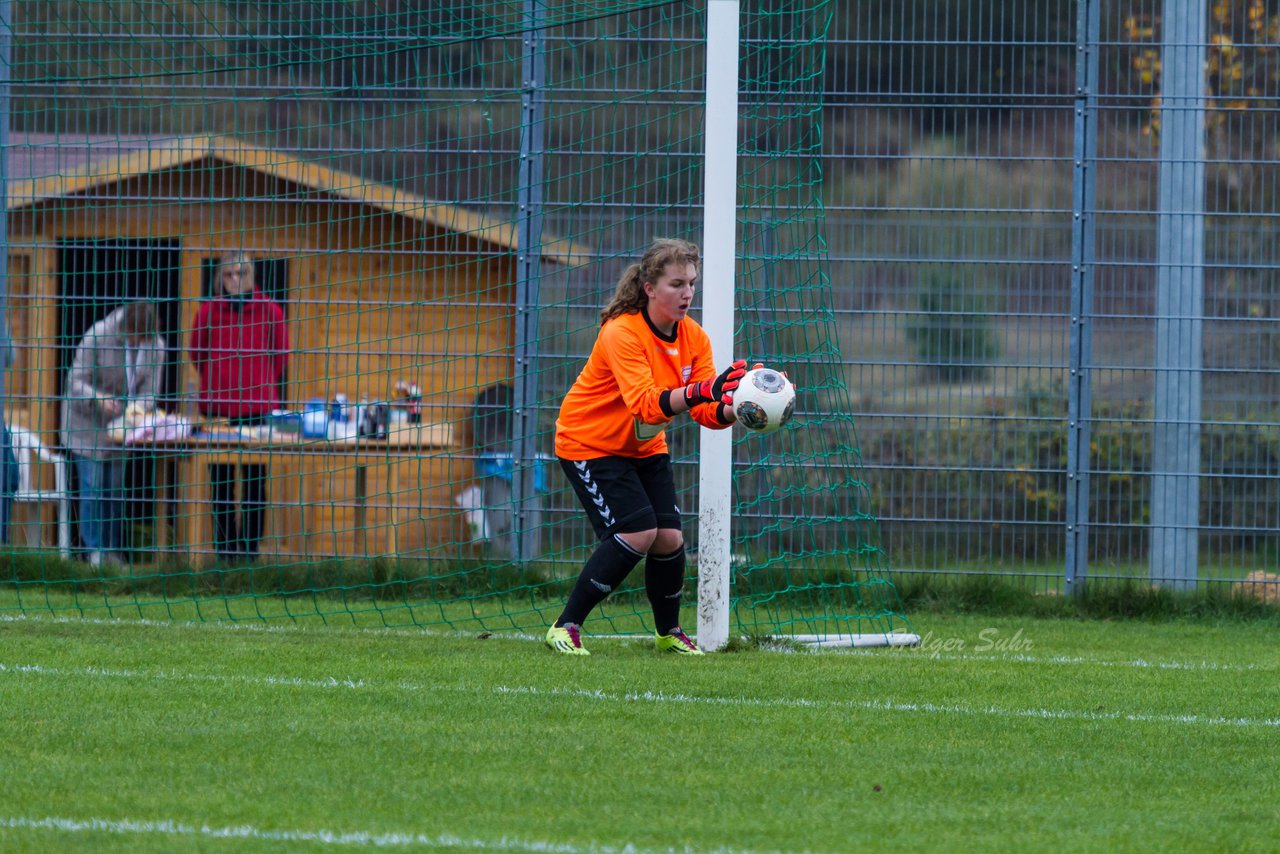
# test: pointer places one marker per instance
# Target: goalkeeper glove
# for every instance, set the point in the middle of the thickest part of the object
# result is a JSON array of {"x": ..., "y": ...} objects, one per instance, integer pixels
[{"x": 718, "y": 390}]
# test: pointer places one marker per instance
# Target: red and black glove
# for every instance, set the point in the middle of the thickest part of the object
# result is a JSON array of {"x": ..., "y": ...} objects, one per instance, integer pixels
[{"x": 718, "y": 390}]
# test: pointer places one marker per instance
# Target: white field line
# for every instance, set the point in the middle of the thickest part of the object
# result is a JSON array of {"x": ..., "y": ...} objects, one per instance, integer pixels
[
  {"x": 359, "y": 839},
  {"x": 891, "y": 706},
  {"x": 906, "y": 652},
  {"x": 654, "y": 697},
  {"x": 1070, "y": 660}
]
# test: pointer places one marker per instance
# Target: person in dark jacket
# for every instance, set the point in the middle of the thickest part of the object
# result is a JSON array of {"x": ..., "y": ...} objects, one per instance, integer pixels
[
  {"x": 240, "y": 349},
  {"x": 10, "y": 475}
]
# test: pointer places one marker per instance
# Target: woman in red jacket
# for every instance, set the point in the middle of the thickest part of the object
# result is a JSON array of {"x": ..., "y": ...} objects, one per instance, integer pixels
[{"x": 240, "y": 349}]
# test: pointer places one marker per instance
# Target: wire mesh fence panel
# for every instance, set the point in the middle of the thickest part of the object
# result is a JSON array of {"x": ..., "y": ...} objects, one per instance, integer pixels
[
  {"x": 949, "y": 201},
  {"x": 297, "y": 289},
  {"x": 1023, "y": 247},
  {"x": 965, "y": 143},
  {"x": 1183, "y": 390}
]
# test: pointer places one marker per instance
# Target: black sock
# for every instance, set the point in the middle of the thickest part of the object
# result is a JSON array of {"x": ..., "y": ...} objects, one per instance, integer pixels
[
  {"x": 664, "y": 582},
  {"x": 608, "y": 566}
]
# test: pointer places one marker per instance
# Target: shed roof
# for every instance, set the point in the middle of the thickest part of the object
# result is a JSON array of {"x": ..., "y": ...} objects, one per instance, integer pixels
[{"x": 49, "y": 166}]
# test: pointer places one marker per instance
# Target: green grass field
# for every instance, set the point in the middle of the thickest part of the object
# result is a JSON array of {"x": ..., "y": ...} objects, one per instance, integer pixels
[{"x": 997, "y": 734}]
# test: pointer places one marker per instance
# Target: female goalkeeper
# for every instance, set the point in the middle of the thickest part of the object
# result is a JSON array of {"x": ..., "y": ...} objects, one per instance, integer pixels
[{"x": 650, "y": 362}]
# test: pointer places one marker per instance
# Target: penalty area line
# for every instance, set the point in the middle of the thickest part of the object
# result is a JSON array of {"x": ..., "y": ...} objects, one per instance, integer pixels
[
  {"x": 354, "y": 839},
  {"x": 910, "y": 652},
  {"x": 894, "y": 706},
  {"x": 656, "y": 697},
  {"x": 359, "y": 839}
]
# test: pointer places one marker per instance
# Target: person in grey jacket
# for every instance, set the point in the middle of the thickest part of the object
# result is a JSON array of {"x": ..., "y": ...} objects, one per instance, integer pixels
[
  {"x": 119, "y": 362},
  {"x": 9, "y": 474}
]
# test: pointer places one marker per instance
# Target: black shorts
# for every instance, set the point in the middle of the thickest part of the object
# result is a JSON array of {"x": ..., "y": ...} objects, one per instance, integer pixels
[{"x": 623, "y": 495}]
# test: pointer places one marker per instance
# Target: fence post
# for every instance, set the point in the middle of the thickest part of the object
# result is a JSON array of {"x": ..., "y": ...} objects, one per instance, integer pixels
[
  {"x": 6, "y": 57},
  {"x": 1179, "y": 362},
  {"x": 1083, "y": 228},
  {"x": 524, "y": 533}
]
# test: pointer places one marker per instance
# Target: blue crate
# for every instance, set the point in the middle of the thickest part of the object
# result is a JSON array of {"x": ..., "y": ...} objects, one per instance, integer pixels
[{"x": 503, "y": 466}]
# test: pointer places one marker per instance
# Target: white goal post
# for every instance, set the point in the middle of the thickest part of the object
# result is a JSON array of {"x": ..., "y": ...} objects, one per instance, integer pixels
[{"x": 719, "y": 249}]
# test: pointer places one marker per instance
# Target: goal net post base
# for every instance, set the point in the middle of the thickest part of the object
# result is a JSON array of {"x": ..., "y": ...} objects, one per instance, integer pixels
[{"x": 879, "y": 639}]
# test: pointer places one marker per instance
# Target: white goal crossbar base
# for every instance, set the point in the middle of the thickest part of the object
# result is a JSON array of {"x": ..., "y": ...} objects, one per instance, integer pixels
[
  {"x": 826, "y": 641},
  {"x": 868, "y": 640}
]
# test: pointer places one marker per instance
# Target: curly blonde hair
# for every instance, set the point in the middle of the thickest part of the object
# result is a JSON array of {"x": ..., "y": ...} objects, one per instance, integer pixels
[{"x": 630, "y": 296}]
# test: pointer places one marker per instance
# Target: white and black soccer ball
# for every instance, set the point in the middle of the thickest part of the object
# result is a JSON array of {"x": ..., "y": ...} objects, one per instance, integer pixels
[{"x": 764, "y": 400}]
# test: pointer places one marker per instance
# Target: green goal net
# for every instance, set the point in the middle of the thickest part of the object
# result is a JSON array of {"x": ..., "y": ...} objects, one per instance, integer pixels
[{"x": 295, "y": 289}]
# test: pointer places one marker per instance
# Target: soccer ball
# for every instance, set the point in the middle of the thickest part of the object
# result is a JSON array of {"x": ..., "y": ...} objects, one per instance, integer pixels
[{"x": 764, "y": 400}]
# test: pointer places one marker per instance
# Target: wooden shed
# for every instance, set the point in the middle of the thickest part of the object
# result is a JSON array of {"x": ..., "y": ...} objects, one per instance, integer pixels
[{"x": 379, "y": 285}]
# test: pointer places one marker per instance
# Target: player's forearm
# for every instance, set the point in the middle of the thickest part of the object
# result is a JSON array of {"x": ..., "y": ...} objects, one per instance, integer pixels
[{"x": 673, "y": 402}]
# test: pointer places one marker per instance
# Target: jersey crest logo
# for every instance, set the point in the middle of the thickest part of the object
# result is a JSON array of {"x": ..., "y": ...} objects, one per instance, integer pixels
[{"x": 684, "y": 373}]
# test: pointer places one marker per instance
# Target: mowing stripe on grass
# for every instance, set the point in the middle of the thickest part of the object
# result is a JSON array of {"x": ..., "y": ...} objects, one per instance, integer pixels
[
  {"x": 647, "y": 696},
  {"x": 360, "y": 839}
]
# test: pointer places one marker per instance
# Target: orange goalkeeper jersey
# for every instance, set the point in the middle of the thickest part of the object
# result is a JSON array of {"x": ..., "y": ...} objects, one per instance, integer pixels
[{"x": 613, "y": 408}]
